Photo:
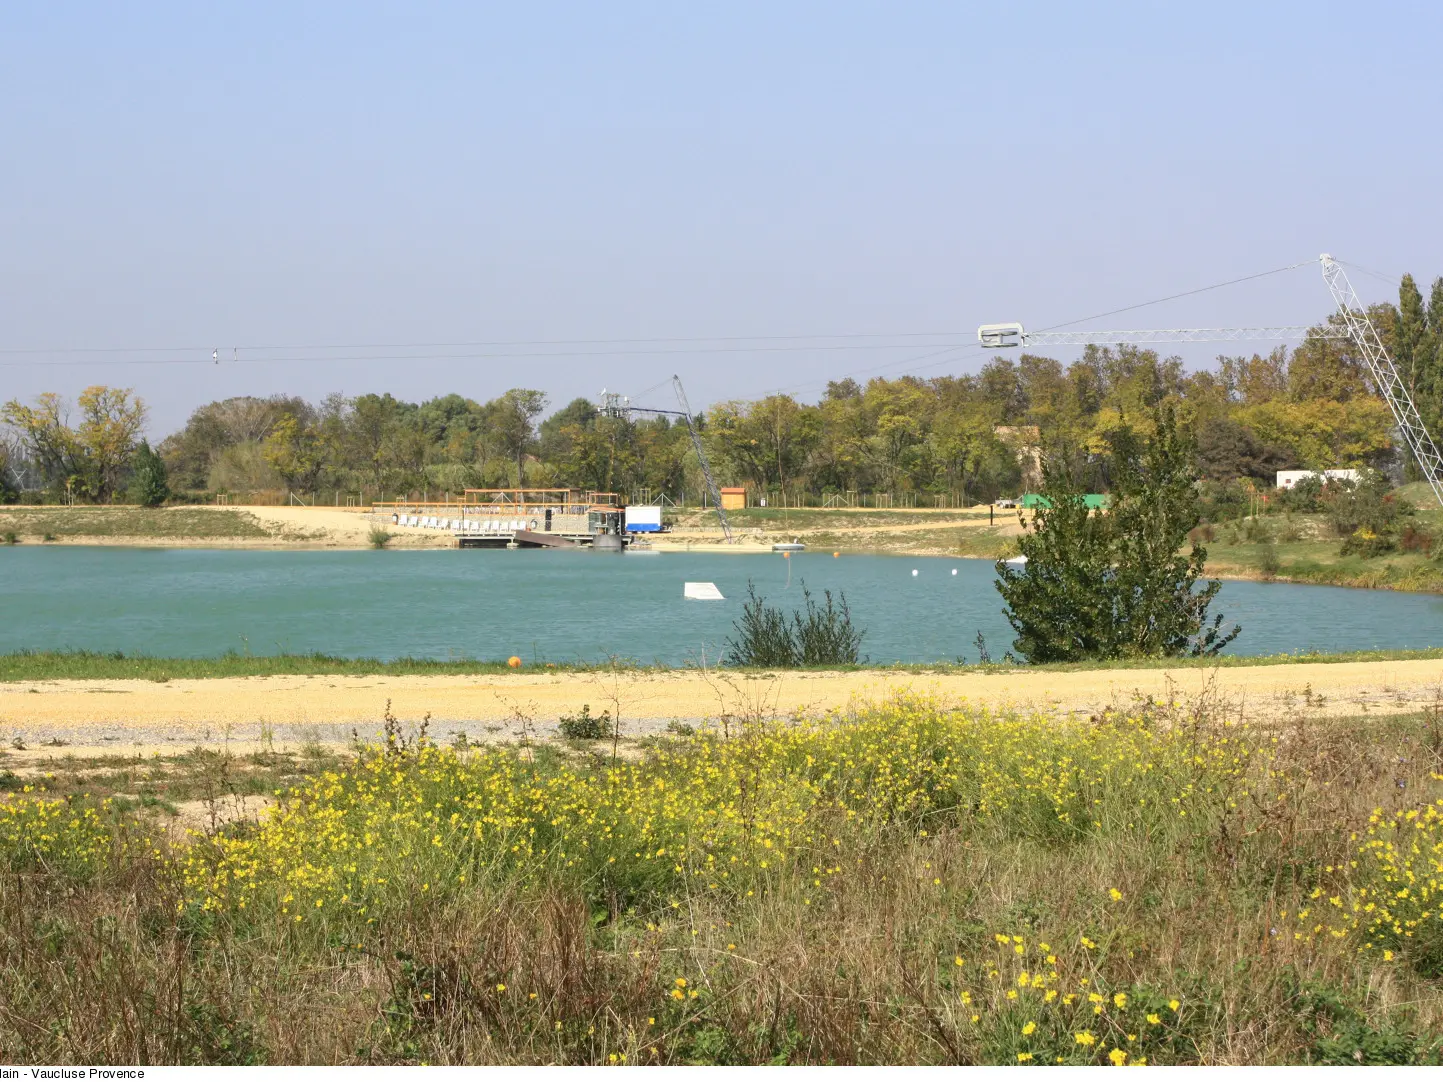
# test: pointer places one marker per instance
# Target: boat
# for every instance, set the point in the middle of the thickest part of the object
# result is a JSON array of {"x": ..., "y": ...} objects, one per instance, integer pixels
[{"x": 789, "y": 546}]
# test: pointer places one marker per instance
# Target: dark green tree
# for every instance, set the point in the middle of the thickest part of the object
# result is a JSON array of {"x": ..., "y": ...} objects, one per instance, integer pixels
[
  {"x": 1061, "y": 602},
  {"x": 1161, "y": 610},
  {"x": 1117, "y": 583},
  {"x": 148, "y": 484}
]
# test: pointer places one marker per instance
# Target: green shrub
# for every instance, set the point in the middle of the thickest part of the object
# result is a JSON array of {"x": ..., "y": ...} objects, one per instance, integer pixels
[
  {"x": 763, "y": 638},
  {"x": 1268, "y": 562},
  {"x": 148, "y": 483},
  {"x": 820, "y": 635},
  {"x": 1341, "y": 1035},
  {"x": 1220, "y": 501},
  {"x": 1367, "y": 544},
  {"x": 1256, "y": 531},
  {"x": 825, "y": 635},
  {"x": 1368, "y": 504},
  {"x": 379, "y": 538},
  {"x": 583, "y": 726},
  {"x": 1305, "y": 497}
]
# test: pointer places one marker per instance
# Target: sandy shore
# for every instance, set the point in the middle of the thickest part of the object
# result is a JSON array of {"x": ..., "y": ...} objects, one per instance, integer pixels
[
  {"x": 324, "y": 527},
  {"x": 126, "y": 716}
]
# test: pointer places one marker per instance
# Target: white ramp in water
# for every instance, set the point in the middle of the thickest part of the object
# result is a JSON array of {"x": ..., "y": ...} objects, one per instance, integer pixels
[{"x": 701, "y": 591}]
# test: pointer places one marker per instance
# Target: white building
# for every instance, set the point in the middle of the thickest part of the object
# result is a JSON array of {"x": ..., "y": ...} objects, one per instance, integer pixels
[{"x": 1289, "y": 478}]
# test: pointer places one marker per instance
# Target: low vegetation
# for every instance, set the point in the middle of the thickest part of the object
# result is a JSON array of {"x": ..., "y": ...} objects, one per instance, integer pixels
[
  {"x": 816, "y": 635},
  {"x": 124, "y": 522},
  {"x": 584, "y": 725},
  {"x": 1339, "y": 534},
  {"x": 1159, "y": 885}
]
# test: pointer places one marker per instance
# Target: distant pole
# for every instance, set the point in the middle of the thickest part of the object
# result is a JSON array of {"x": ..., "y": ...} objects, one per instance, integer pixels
[{"x": 990, "y": 509}]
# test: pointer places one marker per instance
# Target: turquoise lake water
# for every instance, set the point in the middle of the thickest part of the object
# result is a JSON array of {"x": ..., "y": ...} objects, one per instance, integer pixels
[{"x": 562, "y": 606}]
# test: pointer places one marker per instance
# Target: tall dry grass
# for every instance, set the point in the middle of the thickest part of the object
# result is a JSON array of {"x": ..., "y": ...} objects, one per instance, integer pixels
[{"x": 920, "y": 863}]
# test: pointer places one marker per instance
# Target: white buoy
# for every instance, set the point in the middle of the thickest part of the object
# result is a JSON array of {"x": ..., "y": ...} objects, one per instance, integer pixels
[
  {"x": 914, "y": 572},
  {"x": 954, "y": 571}
]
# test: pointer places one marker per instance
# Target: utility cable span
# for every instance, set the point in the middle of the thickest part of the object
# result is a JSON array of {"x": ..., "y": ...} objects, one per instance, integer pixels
[
  {"x": 1179, "y": 296},
  {"x": 64, "y": 350},
  {"x": 1390, "y": 279},
  {"x": 360, "y": 358},
  {"x": 907, "y": 364},
  {"x": 1057, "y": 326}
]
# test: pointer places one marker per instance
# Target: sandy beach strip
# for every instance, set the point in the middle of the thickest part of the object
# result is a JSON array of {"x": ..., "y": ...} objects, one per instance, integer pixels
[{"x": 83, "y": 716}]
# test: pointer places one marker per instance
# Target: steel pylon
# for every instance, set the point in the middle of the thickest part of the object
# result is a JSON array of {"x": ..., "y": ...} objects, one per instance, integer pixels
[
  {"x": 1385, "y": 375},
  {"x": 701, "y": 458}
]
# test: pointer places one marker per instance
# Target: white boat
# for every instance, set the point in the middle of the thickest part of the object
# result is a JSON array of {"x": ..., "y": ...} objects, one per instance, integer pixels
[{"x": 789, "y": 546}]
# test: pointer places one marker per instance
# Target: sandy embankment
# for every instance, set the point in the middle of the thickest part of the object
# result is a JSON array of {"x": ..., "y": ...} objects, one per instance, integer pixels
[
  {"x": 127, "y": 716},
  {"x": 922, "y": 532}
]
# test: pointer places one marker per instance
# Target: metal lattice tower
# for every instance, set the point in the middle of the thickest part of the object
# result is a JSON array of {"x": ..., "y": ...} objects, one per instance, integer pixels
[
  {"x": 1385, "y": 375},
  {"x": 616, "y": 405},
  {"x": 701, "y": 458}
]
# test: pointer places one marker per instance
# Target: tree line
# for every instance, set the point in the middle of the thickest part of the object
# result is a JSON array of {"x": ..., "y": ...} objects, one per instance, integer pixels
[{"x": 973, "y": 437}]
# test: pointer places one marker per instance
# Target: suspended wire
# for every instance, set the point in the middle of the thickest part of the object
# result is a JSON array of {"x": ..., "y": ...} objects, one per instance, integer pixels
[
  {"x": 509, "y": 343},
  {"x": 867, "y": 371},
  {"x": 1372, "y": 273},
  {"x": 654, "y": 387},
  {"x": 1178, "y": 296},
  {"x": 1054, "y": 327},
  {"x": 361, "y": 358}
]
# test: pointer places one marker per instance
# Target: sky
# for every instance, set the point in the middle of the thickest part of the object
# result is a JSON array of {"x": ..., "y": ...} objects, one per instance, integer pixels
[{"x": 389, "y": 197}]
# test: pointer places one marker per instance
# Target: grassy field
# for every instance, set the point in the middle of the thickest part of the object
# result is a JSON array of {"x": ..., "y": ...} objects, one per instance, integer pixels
[
  {"x": 32, "y": 524},
  {"x": 1301, "y": 548},
  {"x": 84, "y": 665},
  {"x": 907, "y": 885}
]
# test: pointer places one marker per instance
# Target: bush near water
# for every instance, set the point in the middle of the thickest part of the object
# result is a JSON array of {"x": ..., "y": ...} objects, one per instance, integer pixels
[{"x": 909, "y": 885}]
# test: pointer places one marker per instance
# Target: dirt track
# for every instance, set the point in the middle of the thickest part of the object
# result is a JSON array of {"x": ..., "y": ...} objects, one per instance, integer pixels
[{"x": 134, "y": 715}]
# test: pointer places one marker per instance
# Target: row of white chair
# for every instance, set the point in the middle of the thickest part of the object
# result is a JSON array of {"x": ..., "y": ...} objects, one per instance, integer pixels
[{"x": 431, "y": 522}]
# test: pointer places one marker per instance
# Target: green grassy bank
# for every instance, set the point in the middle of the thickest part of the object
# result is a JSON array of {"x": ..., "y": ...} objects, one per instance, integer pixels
[{"x": 83, "y": 665}]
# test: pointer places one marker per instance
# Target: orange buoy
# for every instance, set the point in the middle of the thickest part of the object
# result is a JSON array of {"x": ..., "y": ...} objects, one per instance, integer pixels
[
  {"x": 514, "y": 662},
  {"x": 786, "y": 556},
  {"x": 835, "y": 555}
]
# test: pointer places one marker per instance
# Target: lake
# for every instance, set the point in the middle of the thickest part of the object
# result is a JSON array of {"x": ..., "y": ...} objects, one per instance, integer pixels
[{"x": 581, "y": 605}]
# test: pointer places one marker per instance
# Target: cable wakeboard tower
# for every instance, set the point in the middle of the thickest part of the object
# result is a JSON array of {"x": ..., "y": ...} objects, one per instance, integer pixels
[
  {"x": 1356, "y": 326},
  {"x": 616, "y": 405}
]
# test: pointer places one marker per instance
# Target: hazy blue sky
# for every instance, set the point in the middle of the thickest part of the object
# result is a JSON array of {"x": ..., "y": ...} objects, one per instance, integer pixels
[{"x": 242, "y": 175}]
